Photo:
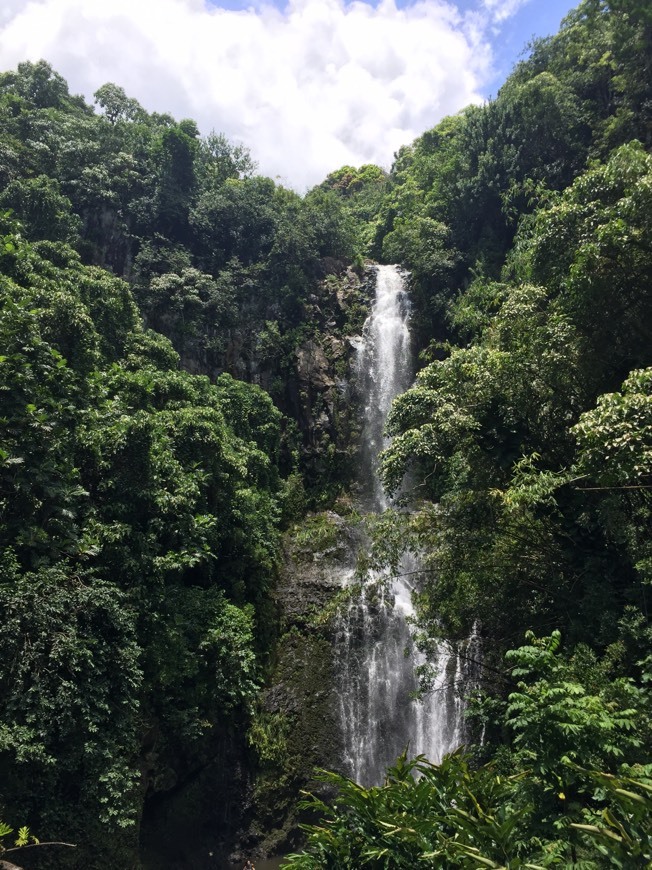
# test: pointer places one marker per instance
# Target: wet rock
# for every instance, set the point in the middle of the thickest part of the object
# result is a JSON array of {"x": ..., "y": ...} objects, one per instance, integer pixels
[{"x": 313, "y": 367}]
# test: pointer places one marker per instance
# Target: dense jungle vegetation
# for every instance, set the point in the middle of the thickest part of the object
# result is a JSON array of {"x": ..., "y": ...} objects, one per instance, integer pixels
[{"x": 153, "y": 448}]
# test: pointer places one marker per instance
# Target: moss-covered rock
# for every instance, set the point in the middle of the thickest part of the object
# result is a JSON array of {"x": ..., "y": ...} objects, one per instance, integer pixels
[{"x": 296, "y": 727}]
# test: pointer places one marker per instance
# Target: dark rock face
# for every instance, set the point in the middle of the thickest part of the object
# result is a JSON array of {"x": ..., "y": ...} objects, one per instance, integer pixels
[
  {"x": 319, "y": 557},
  {"x": 313, "y": 367},
  {"x": 318, "y": 387},
  {"x": 202, "y": 796},
  {"x": 238, "y": 793},
  {"x": 301, "y": 357},
  {"x": 301, "y": 695},
  {"x": 106, "y": 240}
]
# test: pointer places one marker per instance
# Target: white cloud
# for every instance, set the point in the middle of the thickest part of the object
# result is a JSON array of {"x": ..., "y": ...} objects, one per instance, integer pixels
[
  {"x": 501, "y": 10},
  {"x": 309, "y": 88}
]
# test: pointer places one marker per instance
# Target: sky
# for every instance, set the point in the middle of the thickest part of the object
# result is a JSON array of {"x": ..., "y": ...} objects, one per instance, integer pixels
[{"x": 307, "y": 85}]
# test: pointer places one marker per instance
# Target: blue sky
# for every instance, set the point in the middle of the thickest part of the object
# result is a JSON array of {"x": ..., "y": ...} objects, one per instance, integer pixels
[
  {"x": 307, "y": 85},
  {"x": 535, "y": 19}
]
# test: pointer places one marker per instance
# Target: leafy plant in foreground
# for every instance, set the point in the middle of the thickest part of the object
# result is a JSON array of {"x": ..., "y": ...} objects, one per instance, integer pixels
[
  {"x": 622, "y": 830},
  {"x": 534, "y": 806},
  {"x": 24, "y": 840}
]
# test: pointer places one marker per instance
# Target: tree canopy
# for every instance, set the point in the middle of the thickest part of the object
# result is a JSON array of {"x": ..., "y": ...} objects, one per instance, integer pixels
[{"x": 159, "y": 304}]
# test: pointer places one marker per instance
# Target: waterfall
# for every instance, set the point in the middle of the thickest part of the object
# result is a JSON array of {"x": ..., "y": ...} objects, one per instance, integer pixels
[
  {"x": 376, "y": 655},
  {"x": 383, "y": 370}
]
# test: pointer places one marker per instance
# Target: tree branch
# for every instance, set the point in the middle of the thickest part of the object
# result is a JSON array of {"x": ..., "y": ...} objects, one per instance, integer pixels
[
  {"x": 605, "y": 488},
  {"x": 37, "y": 845}
]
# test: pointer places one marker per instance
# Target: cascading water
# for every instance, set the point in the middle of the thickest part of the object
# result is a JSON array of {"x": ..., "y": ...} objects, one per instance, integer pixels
[{"x": 377, "y": 658}]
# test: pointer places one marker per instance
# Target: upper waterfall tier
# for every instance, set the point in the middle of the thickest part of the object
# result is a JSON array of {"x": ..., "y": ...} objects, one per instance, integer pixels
[{"x": 384, "y": 369}]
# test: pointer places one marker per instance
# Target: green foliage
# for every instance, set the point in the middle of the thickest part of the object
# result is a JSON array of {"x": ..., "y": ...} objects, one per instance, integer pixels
[
  {"x": 316, "y": 534},
  {"x": 535, "y": 808},
  {"x": 454, "y": 816},
  {"x": 39, "y": 205},
  {"x": 555, "y": 720},
  {"x": 424, "y": 814},
  {"x": 140, "y": 505},
  {"x": 38, "y": 84},
  {"x": 139, "y": 517},
  {"x": 591, "y": 246},
  {"x": 613, "y": 455},
  {"x": 504, "y": 395},
  {"x": 219, "y": 159},
  {"x": 423, "y": 245},
  {"x": 500, "y": 432},
  {"x": 65, "y": 631},
  {"x": 117, "y": 106},
  {"x": 361, "y": 191},
  {"x": 578, "y": 95},
  {"x": 207, "y": 244},
  {"x": 268, "y": 737},
  {"x": 615, "y": 439},
  {"x": 174, "y": 151},
  {"x": 622, "y": 831},
  {"x": 23, "y": 838}
]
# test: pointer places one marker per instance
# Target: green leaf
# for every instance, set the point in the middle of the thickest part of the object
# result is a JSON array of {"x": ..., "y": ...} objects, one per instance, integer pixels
[{"x": 23, "y": 836}]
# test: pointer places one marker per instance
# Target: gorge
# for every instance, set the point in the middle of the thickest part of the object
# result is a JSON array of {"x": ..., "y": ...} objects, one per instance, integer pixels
[{"x": 208, "y": 384}]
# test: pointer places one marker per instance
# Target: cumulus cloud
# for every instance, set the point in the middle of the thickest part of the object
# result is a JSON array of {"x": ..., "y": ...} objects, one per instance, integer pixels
[
  {"x": 501, "y": 10},
  {"x": 307, "y": 87}
]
